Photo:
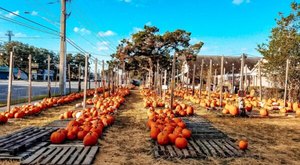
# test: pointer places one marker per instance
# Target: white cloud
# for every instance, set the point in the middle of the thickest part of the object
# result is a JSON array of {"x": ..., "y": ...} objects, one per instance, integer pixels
[
  {"x": 101, "y": 46},
  {"x": 19, "y": 34},
  {"x": 238, "y": 2},
  {"x": 34, "y": 13},
  {"x": 106, "y": 33},
  {"x": 126, "y": 1},
  {"x": 137, "y": 29},
  {"x": 149, "y": 23},
  {"x": 11, "y": 15},
  {"x": 82, "y": 31}
]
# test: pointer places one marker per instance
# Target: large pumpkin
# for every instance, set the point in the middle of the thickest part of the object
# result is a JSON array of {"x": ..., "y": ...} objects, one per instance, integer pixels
[
  {"x": 181, "y": 142},
  {"x": 162, "y": 138},
  {"x": 90, "y": 139},
  {"x": 57, "y": 137}
]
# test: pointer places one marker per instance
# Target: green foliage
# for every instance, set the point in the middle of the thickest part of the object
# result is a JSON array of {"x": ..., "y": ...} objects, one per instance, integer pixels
[{"x": 284, "y": 43}]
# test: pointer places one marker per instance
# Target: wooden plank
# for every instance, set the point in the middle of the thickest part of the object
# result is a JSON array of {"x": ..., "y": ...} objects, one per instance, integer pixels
[
  {"x": 82, "y": 155},
  {"x": 90, "y": 156},
  {"x": 50, "y": 156},
  {"x": 178, "y": 152},
  {"x": 66, "y": 156},
  {"x": 9, "y": 142},
  {"x": 156, "y": 152},
  {"x": 185, "y": 153},
  {"x": 191, "y": 151},
  {"x": 60, "y": 155},
  {"x": 34, "y": 156},
  {"x": 218, "y": 149},
  {"x": 211, "y": 149},
  {"x": 74, "y": 155},
  {"x": 203, "y": 148},
  {"x": 171, "y": 151},
  {"x": 15, "y": 134},
  {"x": 196, "y": 147},
  {"x": 232, "y": 147},
  {"x": 221, "y": 144}
]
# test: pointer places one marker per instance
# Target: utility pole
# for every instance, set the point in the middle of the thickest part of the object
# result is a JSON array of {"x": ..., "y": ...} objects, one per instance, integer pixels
[
  {"x": 79, "y": 77},
  {"x": 9, "y": 34},
  {"x": 96, "y": 75},
  {"x": 69, "y": 75},
  {"x": 10, "y": 75},
  {"x": 193, "y": 80},
  {"x": 85, "y": 79},
  {"x": 49, "y": 85},
  {"x": 29, "y": 79},
  {"x": 62, "y": 56},
  {"x": 172, "y": 81},
  {"x": 201, "y": 73},
  {"x": 221, "y": 82},
  {"x": 286, "y": 80}
]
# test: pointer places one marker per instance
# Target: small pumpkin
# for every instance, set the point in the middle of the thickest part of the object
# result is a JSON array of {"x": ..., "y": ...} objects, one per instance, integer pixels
[
  {"x": 3, "y": 119},
  {"x": 186, "y": 133},
  {"x": 90, "y": 139},
  {"x": 181, "y": 142},
  {"x": 57, "y": 137},
  {"x": 162, "y": 138},
  {"x": 243, "y": 144}
]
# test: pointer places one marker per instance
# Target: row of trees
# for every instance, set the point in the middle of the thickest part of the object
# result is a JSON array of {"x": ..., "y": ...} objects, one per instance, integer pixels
[{"x": 39, "y": 57}]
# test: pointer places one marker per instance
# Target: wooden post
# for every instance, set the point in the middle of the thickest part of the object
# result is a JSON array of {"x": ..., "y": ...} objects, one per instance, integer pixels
[
  {"x": 99, "y": 73},
  {"x": 172, "y": 81},
  {"x": 260, "y": 81},
  {"x": 177, "y": 76},
  {"x": 89, "y": 75},
  {"x": 69, "y": 75},
  {"x": 201, "y": 73},
  {"x": 215, "y": 80},
  {"x": 29, "y": 79},
  {"x": 221, "y": 82},
  {"x": 103, "y": 79},
  {"x": 242, "y": 73},
  {"x": 79, "y": 77},
  {"x": 286, "y": 81},
  {"x": 96, "y": 76},
  {"x": 10, "y": 76},
  {"x": 209, "y": 78},
  {"x": 157, "y": 77},
  {"x": 108, "y": 79},
  {"x": 187, "y": 79},
  {"x": 165, "y": 83},
  {"x": 193, "y": 81},
  {"x": 85, "y": 79},
  {"x": 246, "y": 78},
  {"x": 232, "y": 90},
  {"x": 49, "y": 85}
]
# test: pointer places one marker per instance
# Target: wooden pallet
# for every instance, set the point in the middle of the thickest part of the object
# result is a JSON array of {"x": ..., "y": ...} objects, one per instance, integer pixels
[
  {"x": 24, "y": 139},
  {"x": 55, "y": 154},
  {"x": 199, "y": 148}
]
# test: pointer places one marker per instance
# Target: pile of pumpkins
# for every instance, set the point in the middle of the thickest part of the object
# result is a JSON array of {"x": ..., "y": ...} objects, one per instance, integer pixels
[
  {"x": 88, "y": 124},
  {"x": 166, "y": 129},
  {"x": 29, "y": 109}
]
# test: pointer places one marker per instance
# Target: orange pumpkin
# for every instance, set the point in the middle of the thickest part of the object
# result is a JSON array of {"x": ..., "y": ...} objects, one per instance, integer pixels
[
  {"x": 57, "y": 137},
  {"x": 264, "y": 112},
  {"x": 162, "y": 138},
  {"x": 90, "y": 139},
  {"x": 233, "y": 110},
  {"x": 181, "y": 142},
  {"x": 154, "y": 132},
  {"x": 172, "y": 138},
  {"x": 186, "y": 133},
  {"x": 189, "y": 110},
  {"x": 243, "y": 144},
  {"x": 71, "y": 135},
  {"x": 3, "y": 119}
]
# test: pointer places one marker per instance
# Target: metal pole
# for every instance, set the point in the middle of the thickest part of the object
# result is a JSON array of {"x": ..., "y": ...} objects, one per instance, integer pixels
[
  {"x": 246, "y": 78},
  {"x": 10, "y": 79},
  {"x": 62, "y": 57},
  {"x": 29, "y": 79},
  {"x": 103, "y": 78},
  {"x": 221, "y": 82},
  {"x": 286, "y": 80},
  {"x": 232, "y": 90},
  {"x": 242, "y": 73},
  {"x": 96, "y": 75},
  {"x": 193, "y": 81},
  {"x": 49, "y": 85},
  {"x": 201, "y": 72},
  {"x": 85, "y": 79},
  {"x": 69, "y": 75},
  {"x": 172, "y": 82}
]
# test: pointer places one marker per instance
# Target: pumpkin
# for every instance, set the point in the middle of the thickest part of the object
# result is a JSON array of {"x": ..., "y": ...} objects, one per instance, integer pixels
[
  {"x": 181, "y": 142},
  {"x": 189, "y": 110},
  {"x": 225, "y": 111},
  {"x": 81, "y": 134},
  {"x": 3, "y": 119},
  {"x": 71, "y": 135},
  {"x": 264, "y": 112},
  {"x": 97, "y": 129},
  {"x": 162, "y": 138},
  {"x": 181, "y": 124},
  {"x": 57, "y": 137},
  {"x": 186, "y": 133},
  {"x": 172, "y": 138},
  {"x": 233, "y": 110},
  {"x": 20, "y": 114},
  {"x": 243, "y": 144},
  {"x": 90, "y": 139},
  {"x": 154, "y": 132}
]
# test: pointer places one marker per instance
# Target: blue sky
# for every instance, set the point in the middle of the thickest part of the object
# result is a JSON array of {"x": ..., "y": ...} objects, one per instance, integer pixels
[{"x": 228, "y": 27}]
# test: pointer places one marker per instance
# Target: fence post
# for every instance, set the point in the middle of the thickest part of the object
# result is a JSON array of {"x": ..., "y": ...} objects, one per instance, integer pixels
[
  {"x": 49, "y": 85},
  {"x": 10, "y": 79},
  {"x": 85, "y": 79},
  {"x": 29, "y": 79}
]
